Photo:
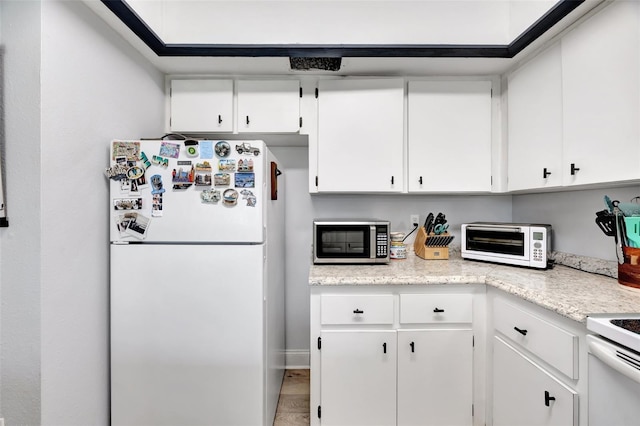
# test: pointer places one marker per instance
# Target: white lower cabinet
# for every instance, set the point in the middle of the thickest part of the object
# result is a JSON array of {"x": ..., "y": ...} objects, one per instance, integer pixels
[
  {"x": 526, "y": 394},
  {"x": 358, "y": 376},
  {"x": 392, "y": 358},
  {"x": 435, "y": 381}
]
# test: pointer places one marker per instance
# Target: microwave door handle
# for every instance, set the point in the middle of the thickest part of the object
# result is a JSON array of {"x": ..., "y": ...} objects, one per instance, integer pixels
[
  {"x": 496, "y": 229},
  {"x": 372, "y": 242}
]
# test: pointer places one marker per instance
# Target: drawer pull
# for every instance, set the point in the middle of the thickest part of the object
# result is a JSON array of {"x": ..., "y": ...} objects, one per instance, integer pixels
[
  {"x": 358, "y": 311},
  {"x": 413, "y": 346},
  {"x": 523, "y": 332},
  {"x": 384, "y": 348},
  {"x": 548, "y": 398},
  {"x": 438, "y": 310}
]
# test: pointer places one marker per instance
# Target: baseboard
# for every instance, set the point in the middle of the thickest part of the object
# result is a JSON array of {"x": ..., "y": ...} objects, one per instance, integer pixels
[{"x": 296, "y": 359}]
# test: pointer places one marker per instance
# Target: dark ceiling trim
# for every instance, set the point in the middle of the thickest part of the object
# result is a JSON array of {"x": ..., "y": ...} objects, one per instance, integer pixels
[{"x": 128, "y": 16}]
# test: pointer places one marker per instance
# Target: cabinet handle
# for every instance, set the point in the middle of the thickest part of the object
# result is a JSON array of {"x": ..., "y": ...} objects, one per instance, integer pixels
[
  {"x": 438, "y": 310},
  {"x": 545, "y": 173},
  {"x": 384, "y": 348},
  {"x": 420, "y": 180},
  {"x": 358, "y": 311},
  {"x": 413, "y": 346},
  {"x": 523, "y": 332},
  {"x": 247, "y": 119},
  {"x": 548, "y": 398},
  {"x": 574, "y": 169},
  {"x": 219, "y": 119},
  {"x": 391, "y": 180}
]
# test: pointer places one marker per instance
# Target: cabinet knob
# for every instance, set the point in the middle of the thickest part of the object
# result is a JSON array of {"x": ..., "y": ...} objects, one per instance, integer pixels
[
  {"x": 413, "y": 346},
  {"x": 358, "y": 311},
  {"x": 523, "y": 332},
  {"x": 438, "y": 310},
  {"x": 574, "y": 169},
  {"x": 545, "y": 173},
  {"x": 548, "y": 398}
]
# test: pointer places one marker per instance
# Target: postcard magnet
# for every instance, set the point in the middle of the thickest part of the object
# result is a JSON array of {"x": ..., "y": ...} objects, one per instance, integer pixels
[
  {"x": 168, "y": 149},
  {"x": 227, "y": 165},
  {"x": 222, "y": 179},
  {"x": 203, "y": 174},
  {"x": 159, "y": 161},
  {"x": 245, "y": 180}
]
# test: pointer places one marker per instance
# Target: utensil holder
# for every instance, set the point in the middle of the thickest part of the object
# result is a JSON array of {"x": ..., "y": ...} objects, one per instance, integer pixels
[
  {"x": 429, "y": 253},
  {"x": 629, "y": 271}
]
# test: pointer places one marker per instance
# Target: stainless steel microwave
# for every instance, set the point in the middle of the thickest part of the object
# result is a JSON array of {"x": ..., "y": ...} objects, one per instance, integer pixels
[
  {"x": 351, "y": 241},
  {"x": 523, "y": 244}
]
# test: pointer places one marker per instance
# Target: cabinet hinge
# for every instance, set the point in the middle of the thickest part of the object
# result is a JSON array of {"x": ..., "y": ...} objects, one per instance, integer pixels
[
  {"x": 319, "y": 342},
  {"x": 316, "y": 180},
  {"x": 300, "y": 121},
  {"x": 319, "y": 412},
  {"x": 316, "y": 93},
  {"x": 301, "y": 92}
]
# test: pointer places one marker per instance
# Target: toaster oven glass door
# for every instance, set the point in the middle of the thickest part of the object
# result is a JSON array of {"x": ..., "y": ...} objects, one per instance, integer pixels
[
  {"x": 510, "y": 242},
  {"x": 343, "y": 242}
]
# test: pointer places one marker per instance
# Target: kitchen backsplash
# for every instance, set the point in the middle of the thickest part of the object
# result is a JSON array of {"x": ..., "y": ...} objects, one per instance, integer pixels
[{"x": 607, "y": 268}]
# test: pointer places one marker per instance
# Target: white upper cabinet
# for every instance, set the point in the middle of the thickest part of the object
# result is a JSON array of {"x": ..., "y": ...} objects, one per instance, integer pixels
[
  {"x": 449, "y": 136},
  {"x": 600, "y": 86},
  {"x": 268, "y": 106},
  {"x": 201, "y": 106},
  {"x": 360, "y": 135},
  {"x": 535, "y": 123}
]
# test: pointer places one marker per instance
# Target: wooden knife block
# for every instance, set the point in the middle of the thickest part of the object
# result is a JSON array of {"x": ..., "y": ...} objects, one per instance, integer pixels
[{"x": 429, "y": 253}]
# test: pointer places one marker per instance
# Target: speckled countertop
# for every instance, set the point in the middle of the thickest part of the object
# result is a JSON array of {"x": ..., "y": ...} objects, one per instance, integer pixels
[{"x": 569, "y": 292}]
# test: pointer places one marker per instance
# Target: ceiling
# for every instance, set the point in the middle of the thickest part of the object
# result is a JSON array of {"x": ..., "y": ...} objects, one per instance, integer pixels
[{"x": 375, "y": 37}]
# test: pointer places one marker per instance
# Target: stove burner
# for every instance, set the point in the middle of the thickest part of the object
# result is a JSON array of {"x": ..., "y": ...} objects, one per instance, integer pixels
[{"x": 628, "y": 324}]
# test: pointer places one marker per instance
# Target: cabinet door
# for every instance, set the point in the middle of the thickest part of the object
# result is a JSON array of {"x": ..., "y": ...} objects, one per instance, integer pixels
[
  {"x": 268, "y": 106},
  {"x": 435, "y": 380},
  {"x": 358, "y": 378},
  {"x": 522, "y": 392},
  {"x": 201, "y": 106},
  {"x": 449, "y": 139},
  {"x": 600, "y": 83},
  {"x": 535, "y": 123},
  {"x": 360, "y": 135}
]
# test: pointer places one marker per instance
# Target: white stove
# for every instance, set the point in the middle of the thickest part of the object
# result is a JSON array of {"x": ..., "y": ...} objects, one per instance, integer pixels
[
  {"x": 614, "y": 369},
  {"x": 623, "y": 329}
]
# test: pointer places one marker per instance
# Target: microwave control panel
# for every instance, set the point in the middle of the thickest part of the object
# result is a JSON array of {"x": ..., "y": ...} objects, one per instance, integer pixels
[{"x": 382, "y": 241}]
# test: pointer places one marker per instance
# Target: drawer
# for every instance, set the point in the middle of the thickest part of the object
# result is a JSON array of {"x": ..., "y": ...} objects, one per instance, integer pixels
[
  {"x": 356, "y": 309},
  {"x": 436, "y": 308},
  {"x": 551, "y": 343}
]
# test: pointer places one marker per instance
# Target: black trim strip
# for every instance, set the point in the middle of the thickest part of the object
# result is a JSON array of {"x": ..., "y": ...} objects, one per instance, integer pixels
[{"x": 128, "y": 16}]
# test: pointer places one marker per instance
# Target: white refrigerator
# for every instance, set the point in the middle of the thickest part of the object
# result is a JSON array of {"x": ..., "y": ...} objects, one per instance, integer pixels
[{"x": 197, "y": 283}]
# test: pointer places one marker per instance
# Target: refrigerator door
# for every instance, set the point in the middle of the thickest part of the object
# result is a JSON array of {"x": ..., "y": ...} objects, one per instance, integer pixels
[
  {"x": 187, "y": 335},
  {"x": 181, "y": 215}
]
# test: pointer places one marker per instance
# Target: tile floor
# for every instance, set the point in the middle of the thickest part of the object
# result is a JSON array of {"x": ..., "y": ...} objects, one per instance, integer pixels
[{"x": 293, "y": 405}]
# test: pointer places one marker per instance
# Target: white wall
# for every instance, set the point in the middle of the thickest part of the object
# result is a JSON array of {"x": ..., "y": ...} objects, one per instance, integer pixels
[
  {"x": 572, "y": 215},
  {"x": 21, "y": 251},
  {"x": 70, "y": 85}
]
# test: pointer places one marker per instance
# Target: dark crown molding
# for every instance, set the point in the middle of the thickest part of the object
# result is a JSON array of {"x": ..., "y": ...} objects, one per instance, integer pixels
[{"x": 561, "y": 9}]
